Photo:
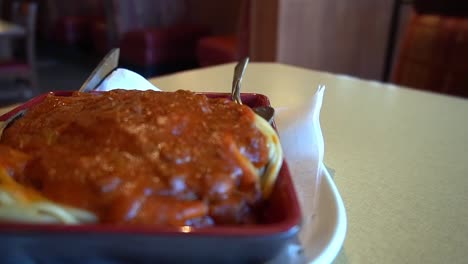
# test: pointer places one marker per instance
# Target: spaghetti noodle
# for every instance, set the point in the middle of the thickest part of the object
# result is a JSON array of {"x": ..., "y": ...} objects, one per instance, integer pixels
[{"x": 137, "y": 157}]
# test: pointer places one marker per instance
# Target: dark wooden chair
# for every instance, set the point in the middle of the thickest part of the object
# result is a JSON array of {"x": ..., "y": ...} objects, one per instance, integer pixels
[
  {"x": 434, "y": 51},
  {"x": 23, "y": 67}
]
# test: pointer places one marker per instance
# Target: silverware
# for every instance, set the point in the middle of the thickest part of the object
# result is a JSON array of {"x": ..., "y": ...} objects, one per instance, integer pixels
[
  {"x": 105, "y": 67},
  {"x": 239, "y": 72},
  {"x": 266, "y": 112}
]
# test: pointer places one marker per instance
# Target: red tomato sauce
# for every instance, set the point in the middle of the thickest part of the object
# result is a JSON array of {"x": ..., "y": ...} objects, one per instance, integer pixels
[{"x": 143, "y": 157}]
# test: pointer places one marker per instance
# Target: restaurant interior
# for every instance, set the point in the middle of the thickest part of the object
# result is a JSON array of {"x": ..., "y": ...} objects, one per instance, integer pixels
[
  {"x": 54, "y": 45},
  {"x": 367, "y": 104}
]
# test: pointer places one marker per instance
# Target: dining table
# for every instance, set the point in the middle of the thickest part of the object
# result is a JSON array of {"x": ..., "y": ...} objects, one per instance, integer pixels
[{"x": 397, "y": 156}]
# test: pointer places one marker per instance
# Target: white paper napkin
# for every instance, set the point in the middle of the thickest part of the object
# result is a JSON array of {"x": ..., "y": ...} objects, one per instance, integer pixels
[
  {"x": 125, "y": 79},
  {"x": 303, "y": 145},
  {"x": 302, "y": 141}
]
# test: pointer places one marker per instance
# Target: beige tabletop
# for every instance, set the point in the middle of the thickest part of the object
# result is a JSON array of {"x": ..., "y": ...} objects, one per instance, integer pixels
[{"x": 400, "y": 158}]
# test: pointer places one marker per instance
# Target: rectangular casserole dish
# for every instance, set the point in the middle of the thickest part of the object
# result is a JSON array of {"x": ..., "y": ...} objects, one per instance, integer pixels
[{"x": 280, "y": 223}]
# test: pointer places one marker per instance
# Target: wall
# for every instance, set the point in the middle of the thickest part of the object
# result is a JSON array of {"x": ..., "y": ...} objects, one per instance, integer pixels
[{"x": 339, "y": 36}]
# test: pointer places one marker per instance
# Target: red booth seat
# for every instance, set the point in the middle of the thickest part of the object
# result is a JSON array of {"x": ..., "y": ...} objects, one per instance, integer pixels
[
  {"x": 160, "y": 46},
  {"x": 212, "y": 50},
  {"x": 217, "y": 50}
]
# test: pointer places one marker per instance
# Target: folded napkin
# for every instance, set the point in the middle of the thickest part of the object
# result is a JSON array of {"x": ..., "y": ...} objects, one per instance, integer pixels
[
  {"x": 302, "y": 141},
  {"x": 303, "y": 145},
  {"x": 125, "y": 79}
]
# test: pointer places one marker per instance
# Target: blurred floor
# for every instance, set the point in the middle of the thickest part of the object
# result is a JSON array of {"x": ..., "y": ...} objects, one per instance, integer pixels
[{"x": 57, "y": 70}]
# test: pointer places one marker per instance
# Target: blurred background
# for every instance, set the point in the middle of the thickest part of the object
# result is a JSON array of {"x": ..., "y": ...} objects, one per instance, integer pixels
[{"x": 54, "y": 45}]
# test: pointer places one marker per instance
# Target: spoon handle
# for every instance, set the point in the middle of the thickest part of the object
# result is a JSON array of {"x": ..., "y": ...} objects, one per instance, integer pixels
[{"x": 239, "y": 71}]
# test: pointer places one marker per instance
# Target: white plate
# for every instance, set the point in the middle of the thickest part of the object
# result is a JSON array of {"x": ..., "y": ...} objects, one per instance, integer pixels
[
  {"x": 331, "y": 224},
  {"x": 329, "y": 229}
]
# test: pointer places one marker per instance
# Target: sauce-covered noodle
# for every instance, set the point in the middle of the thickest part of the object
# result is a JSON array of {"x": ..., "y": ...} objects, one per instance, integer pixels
[{"x": 134, "y": 157}]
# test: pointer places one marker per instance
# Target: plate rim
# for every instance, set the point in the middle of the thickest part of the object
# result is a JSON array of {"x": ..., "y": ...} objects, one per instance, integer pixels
[{"x": 338, "y": 235}]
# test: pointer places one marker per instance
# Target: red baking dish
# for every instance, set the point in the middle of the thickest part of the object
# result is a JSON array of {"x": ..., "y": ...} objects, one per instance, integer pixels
[{"x": 280, "y": 223}]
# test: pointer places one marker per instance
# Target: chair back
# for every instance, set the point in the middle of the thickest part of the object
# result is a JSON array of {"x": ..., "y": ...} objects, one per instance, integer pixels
[
  {"x": 24, "y": 14},
  {"x": 433, "y": 54}
]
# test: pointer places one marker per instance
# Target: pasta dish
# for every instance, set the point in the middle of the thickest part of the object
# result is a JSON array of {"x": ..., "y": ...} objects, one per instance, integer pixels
[{"x": 137, "y": 157}]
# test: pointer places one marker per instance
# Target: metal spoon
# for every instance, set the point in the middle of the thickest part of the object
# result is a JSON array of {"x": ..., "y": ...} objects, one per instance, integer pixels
[{"x": 266, "y": 112}]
